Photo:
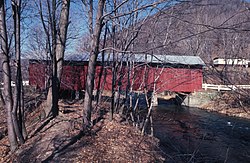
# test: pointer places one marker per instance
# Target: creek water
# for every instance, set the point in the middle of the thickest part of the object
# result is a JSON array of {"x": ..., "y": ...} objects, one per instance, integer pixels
[{"x": 195, "y": 135}]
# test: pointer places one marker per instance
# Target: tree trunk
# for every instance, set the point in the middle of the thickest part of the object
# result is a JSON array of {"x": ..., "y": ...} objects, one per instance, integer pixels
[
  {"x": 52, "y": 97},
  {"x": 62, "y": 36},
  {"x": 58, "y": 48},
  {"x": 91, "y": 67},
  {"x": 98, "y": 93},
  {"x": 16, "y": 8},
  {"x": 1, "y": 98},
  {"x": 114, "y": 73},
  {"x": 22, "y": 115},
  {"x": 7, "y": 93}
]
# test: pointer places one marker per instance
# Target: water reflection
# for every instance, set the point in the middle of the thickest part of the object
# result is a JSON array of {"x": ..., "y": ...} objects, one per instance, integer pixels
[{"x": 194, "y": 135}]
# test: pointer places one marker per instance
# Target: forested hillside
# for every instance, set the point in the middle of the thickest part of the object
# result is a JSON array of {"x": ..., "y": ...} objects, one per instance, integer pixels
[{"x": 207, "y": 28}]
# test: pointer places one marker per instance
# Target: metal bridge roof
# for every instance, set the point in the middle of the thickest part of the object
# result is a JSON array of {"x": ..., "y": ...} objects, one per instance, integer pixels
[
  {"x": 149, "y": 58},
  {"x": 172, "y": 59},
  {"x": 160, "y": 59}
]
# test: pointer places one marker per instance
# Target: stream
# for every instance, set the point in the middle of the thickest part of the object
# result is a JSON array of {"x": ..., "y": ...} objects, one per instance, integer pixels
[{"x": 195, "y": 135}]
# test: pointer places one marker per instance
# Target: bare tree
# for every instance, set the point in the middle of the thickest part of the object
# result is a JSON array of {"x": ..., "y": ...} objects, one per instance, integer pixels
[
  {"x": 58, "y": 57},
  {"x": 18, "y": 107},
  {"x": 56, "y": 43},
  {"x": 37, "y": 43},
  {"x": 87, "y": 107},
  {"x": 14, "y": 103},
  {"x": 5, "y": 64}
]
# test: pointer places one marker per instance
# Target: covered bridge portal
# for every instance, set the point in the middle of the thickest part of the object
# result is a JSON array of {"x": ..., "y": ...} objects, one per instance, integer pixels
[{"x": 182, "y": 74}]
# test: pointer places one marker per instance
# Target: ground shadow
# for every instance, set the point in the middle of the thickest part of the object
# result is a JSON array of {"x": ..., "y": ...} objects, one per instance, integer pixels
[
  {"x": 63, "y": 147},
  {"x": 41, "y": 127}
]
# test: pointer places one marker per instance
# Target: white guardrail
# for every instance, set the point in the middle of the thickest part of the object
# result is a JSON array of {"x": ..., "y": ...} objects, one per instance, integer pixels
[
  {"x": 204, "y": 86},
  {"x": 25, "y": 83},
  {"x": 224, "y": 87}
]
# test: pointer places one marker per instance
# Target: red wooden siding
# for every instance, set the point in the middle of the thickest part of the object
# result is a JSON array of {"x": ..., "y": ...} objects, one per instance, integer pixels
[
  {"x": 73, "y": 77},
  {"x": 171, "y": 79},
  {"x": 37, "y": 75},
  {"x": 180, "y": 80}
]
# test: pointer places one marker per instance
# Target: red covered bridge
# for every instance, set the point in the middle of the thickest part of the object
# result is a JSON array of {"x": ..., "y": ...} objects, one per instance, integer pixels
[{"x": 167, "y": 73}]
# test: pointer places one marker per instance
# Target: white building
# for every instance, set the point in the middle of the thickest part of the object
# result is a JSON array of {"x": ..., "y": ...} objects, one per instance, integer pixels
[{"x": 232, "y": 62}]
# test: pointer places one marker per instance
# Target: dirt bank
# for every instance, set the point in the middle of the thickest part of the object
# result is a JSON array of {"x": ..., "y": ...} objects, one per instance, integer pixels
[
  {"x": 235, "y": 112},
  {"x": 61, "y": 140},
  {"x": 222, "y": 102}
]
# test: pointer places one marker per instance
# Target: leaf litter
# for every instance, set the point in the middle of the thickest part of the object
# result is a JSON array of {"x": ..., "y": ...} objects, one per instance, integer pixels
[{"x": 61, "y": 140}]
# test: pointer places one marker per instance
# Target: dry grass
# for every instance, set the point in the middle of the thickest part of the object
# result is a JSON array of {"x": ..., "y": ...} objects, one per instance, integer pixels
[{"x": 229, "y": 104}]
